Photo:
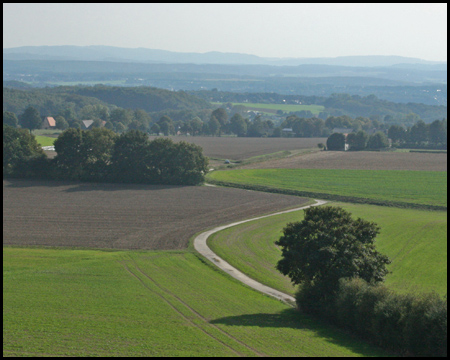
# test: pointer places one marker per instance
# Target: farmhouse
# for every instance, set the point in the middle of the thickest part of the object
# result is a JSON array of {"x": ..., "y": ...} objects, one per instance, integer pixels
[
  {"x": 87, "y": 123},
  {"x": 48, "y": 123}
]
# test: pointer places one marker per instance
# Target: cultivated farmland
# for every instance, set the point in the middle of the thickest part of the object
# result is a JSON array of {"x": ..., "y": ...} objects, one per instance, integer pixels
[
  {"x": 118, "y": 216},
  {"x": 358, "y": 160},
  {"x": 239, "y": 148},
  {"x": 426, "y": 188},
  {"x": 59, "y": 302}
]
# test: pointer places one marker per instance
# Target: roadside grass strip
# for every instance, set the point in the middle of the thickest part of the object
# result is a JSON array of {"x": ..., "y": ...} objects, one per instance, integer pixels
[
  {"x": 421, "y": 189},
  {"x": 415, "y": 240},
  {"x": 59, "y": 302}
]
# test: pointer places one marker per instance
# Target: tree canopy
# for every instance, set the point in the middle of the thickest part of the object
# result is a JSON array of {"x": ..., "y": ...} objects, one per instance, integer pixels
[
  {"x": 30, "y": 119},
  {"x": 329, "y": 245},
  {"x": 19, "y": 147},
  {"x": 336, "y": 141}
]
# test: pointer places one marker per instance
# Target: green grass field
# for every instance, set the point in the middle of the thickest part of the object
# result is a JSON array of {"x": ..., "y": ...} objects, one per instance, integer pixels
[
  {"x": 150, "y": 303},
  {"x": 315, "y": 109},
  {"x": 415, "y": 240},
  {"x": 416, "y": 187},
  {"x": 45, "y": 140}
]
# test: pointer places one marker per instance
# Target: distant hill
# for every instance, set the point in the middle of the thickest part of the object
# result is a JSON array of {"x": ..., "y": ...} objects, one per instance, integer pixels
[
  {"x": 147, "y": 98},
  {"x": 111, "y": 53},
  {"x": 54, "y": 100}
]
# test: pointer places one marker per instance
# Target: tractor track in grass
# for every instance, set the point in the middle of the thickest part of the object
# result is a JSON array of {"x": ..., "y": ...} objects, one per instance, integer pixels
[
  {"x": 200, "y": 245},
  {"x": 195, "y": 312},
  {"x": 167, "y": 293}
]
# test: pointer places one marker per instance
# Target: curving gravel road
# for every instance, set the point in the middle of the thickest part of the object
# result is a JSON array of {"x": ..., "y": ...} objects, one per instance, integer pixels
[{"x": 201, "y": 246}]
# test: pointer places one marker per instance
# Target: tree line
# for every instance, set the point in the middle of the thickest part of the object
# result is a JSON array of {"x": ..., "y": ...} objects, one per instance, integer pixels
[
  {"x": 69, "y": 110},
  {"x": 420, "y": 135},
  {"x": 339, "y": 104},
  {"x": 101, "y": 155}
]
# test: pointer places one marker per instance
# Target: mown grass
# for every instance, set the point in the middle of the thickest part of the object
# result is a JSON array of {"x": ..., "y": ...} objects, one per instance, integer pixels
[
  {"x": 410, "y": 187},
  {"x": 415, "y": 240},
  {"x": 59, "y": 302}
]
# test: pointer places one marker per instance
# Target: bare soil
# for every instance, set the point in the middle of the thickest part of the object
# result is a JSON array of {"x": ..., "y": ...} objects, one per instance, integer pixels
[
  {"x": 240, "y": 148},
  {"x": 117, "y": 216},
  {"x": 358, "y": 160}
]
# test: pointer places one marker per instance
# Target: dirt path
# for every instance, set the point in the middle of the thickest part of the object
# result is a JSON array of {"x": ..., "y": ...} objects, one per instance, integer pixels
[{"x": 201, "y": 246}]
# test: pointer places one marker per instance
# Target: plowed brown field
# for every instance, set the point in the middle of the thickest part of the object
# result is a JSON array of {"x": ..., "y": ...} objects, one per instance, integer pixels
[
  {"x": 239, "y": 148},
  {"x": 358, "y": 160},
  {"x": 120, "y": 216}
]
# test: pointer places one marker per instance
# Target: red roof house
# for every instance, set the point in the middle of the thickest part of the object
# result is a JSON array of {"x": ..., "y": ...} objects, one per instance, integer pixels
[{"x": 48, "y": 123}]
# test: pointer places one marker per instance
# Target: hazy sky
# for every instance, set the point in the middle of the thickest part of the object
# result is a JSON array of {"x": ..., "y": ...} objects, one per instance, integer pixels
[{"x": 268, "y": 30}]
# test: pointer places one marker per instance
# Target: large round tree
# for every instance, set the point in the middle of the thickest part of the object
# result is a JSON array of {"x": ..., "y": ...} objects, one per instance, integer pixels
[
  {"x": 329, "y": 245},
  {"x": 336, "y": 141},
  {"x": 30, "y": 119}
]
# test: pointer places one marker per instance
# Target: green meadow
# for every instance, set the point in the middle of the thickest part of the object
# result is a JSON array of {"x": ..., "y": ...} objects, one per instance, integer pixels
[
  {"x": 45, "y": 140},
  {"x": 315, "y": 109},
  {"x": 415, "y": 241},
  {"x": 414, "y": 187},
  {"x": 72, "y": 302}
]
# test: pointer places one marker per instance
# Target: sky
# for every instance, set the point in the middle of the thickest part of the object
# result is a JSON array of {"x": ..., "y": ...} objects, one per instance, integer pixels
[{"x": 281, "y": 30}]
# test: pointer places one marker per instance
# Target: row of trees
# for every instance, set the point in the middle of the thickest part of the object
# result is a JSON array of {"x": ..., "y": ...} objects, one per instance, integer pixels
[
  {"x": 360, "y": 140},
  {"x": 103, "y": 156},
  {"x": 333, "y": 259},
  {"x": 217, "y": 122},
  {"x": 420, "y": 134}
]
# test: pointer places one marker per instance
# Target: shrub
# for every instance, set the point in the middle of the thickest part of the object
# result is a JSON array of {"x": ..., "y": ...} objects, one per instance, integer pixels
[{"x": 409, "y": 324}]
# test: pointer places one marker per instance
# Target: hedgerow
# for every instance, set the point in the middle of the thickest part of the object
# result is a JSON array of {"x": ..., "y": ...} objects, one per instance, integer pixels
[{"x": 407, "y": 324}]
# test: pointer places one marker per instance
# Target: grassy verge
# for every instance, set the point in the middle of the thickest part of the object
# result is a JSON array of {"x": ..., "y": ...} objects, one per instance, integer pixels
[
  {"x": 150, "y": 303},
  {"x": 415, "y": 240},
  {"x": 416, "y": 189}
]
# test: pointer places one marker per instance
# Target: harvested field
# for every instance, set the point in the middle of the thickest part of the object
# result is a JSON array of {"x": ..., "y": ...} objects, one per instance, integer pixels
[
  {"x": 238, "y": 148},
  {"x": 361, "y": 160},
  {"x": 120, "y": 216}
]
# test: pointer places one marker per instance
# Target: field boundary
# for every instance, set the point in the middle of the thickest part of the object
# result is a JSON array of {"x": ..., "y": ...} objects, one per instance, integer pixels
[{"x": 341, "y": 198}]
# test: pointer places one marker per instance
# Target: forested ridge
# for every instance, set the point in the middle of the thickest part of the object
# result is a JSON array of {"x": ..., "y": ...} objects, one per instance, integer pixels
[{"x": 52, "y": 100}]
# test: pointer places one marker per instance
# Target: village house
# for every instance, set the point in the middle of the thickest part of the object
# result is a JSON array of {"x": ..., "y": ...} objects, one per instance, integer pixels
[
  {"x": 48, "y": 123},
  {"x": 88, "y": 123}
]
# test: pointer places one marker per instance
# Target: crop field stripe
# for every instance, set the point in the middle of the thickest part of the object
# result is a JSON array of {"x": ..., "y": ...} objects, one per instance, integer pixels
[{"x": 165, "y": 295}]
